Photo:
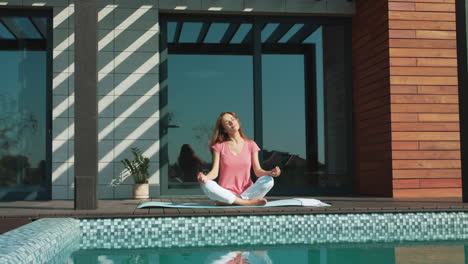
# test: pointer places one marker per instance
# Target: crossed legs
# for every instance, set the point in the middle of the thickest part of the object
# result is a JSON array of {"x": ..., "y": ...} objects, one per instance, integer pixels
[{"x": 252, "y": 196}]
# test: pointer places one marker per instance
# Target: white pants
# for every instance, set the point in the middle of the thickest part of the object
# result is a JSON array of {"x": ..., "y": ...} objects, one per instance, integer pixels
[{"x": 258, "y": 190}]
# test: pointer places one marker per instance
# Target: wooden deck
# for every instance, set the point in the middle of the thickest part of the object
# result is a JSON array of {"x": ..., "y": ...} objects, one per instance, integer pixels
[{"x": 15, "y": 214}]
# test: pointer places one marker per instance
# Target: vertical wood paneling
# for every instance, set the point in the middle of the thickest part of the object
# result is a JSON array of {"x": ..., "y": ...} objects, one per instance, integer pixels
[{"x": 425, "y": 129}]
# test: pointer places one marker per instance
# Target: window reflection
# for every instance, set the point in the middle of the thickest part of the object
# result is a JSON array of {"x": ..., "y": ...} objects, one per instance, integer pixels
[
  {"x": 22, "y": 117},
  {"x": 201, "y": 87},
  {"x": 241, "y": 33},
  {"x": 290, "y": 33},
  {"x": 303, "y": 97},
  {"x": 284, "y": 121},
  {"x": 216, "y": 32},
  {"x": 23, "y": 108},
  {"x": 22, "y": 27}
]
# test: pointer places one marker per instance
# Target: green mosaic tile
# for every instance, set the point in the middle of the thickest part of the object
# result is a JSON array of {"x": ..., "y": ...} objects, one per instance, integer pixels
[{"x": 272, "y": 229}]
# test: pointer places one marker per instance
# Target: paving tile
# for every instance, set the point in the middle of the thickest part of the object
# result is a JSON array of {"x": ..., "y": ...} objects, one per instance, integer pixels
[
  {"x": 156, "y": 211},
  {"x": 127, "y": 208},
  {"x": 201, "y": 211},
  {"x": 185, "y": 211},
  {"x": 171, "y": 211}
]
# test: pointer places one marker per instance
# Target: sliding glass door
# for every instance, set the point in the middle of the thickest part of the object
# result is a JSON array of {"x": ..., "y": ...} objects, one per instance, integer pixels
[
  {"x": 25, "y": 133},
  {"x": 271, "y": 73}
]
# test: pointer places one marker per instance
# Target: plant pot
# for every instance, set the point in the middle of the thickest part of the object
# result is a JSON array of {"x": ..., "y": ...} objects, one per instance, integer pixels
[{"x": 141, "y": 191}]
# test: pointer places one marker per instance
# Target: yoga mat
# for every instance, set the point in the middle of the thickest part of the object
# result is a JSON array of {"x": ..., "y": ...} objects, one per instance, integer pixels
[{"x": 284, "y": 202}]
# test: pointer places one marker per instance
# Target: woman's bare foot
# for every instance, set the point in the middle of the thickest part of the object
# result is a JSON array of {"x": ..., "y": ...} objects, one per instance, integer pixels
[{"x": 252, "y": 202}]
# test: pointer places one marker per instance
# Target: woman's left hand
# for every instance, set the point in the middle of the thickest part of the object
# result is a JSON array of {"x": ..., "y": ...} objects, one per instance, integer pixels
[
  {"x": 275, "y": 172},
  {"x": 202, "y": 178}
]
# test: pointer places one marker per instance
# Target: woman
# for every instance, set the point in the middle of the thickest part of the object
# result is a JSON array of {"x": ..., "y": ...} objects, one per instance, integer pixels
[{"x": 233, "y": 157}]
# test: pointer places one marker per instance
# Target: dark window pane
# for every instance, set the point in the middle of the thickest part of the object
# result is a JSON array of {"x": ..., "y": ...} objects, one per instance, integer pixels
[
  {"x": 22, "y": 27},
  {"x": 41, "y": 24},
  {"x": 284, "y": 121},
  {"x": 190, "y": 32},
  {"x": 336, "y": 101},
  {"x": 316, "y": 39},
  {"x": 5, "y": 33},
  {"x": 216, "y": 32},
  {"x": 24, "y": 139},
  {"x": 241, "y": 33},
  {"x": 290, "y": 33},
  {"x": 171, "y": 28},
  {"x": 22, "y": 117},
  {"x": 266, "y": 32}
]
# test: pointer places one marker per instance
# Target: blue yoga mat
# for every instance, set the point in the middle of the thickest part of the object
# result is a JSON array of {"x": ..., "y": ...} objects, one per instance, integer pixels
[{"x": 284, "y": 202}]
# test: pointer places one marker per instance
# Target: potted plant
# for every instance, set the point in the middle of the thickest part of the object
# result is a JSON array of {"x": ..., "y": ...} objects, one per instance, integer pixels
[{"x": 138, "y": 169}]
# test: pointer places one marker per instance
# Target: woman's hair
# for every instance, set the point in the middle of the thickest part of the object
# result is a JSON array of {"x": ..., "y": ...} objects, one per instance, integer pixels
[{"x": 219, "y": 135}]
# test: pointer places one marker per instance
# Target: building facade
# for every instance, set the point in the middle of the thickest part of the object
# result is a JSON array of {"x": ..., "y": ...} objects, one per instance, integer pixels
[{"x": 347, "y": 97}]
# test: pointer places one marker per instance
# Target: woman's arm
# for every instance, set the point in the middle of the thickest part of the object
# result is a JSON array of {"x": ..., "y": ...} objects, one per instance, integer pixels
[
  {"x": 213, "y": 174},
  {"x": 259, "y": 172}
]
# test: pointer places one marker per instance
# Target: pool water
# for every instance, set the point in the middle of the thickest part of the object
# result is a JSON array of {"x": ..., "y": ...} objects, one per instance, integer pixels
[{"x": 436, "y": 252}]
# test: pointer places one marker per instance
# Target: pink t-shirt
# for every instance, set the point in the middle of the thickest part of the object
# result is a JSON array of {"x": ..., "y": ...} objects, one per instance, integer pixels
[{"x": 234, "y": 170}]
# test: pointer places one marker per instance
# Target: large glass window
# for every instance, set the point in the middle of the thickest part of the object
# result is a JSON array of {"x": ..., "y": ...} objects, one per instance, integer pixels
[
  {"x": 202, "y": 87},
  {"x": 280, "y": 76},
  {"x": 24, "y": 110}
]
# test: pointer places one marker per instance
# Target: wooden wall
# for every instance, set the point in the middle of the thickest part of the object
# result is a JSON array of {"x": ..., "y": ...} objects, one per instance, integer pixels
[
  {"x": 371, "y": 87},
  {"x": 424, "y": 98},
  {"x": 405, "y": 97}
]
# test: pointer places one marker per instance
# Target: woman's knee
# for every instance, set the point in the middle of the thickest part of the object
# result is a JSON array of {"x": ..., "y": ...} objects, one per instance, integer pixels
[
  {"x": 209, "y": 183},
  {"x": 268, "y": 181},
  {"x": 207, "y": 187}
]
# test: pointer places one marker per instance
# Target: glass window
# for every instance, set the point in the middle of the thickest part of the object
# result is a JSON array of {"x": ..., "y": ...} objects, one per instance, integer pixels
[
  {"x": 243, "y": 30},
  {"x": 216, "y": 32},
  {"x": 290, "y": 33},
  {"x": 202, "y": 87},
  {"x": 22, "y": 27},
  {"x": 284, "y": 120},
  {"x": 5, "y": 33},
  {"x": 24, "y": 139},
  {"x": 190, "y": 32},
  {"x": 305, "y": 126}
]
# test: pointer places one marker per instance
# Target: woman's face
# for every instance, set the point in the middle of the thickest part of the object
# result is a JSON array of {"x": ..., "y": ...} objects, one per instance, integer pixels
[{"x": 230, "y": 123}]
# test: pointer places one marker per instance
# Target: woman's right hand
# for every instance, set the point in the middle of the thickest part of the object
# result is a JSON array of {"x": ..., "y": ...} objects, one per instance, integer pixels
[
  {"x": 275, "y": 172},
  {"x": 202, "y": 178}
]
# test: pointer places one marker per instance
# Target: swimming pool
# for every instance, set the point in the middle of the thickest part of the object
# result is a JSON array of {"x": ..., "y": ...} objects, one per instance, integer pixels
[{"x": 327, "y": 238}]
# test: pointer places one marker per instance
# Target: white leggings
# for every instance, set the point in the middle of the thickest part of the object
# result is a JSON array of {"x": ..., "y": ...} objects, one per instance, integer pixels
[{"x": 258, "y": 190}]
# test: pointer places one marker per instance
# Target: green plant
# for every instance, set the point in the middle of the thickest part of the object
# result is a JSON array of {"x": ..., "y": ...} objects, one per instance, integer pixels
[{"x": 138, "y": 167}]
